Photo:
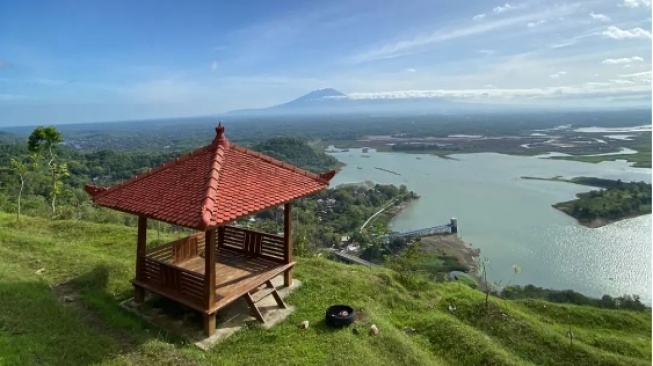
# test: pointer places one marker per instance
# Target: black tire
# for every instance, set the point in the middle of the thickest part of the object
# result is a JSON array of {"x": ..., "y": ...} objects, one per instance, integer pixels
[{"x": 335, "y": 318}]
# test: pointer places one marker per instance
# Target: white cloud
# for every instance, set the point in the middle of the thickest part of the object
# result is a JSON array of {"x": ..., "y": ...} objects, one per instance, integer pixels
[
  {"x": 535, "y": 24},
  {"x": 624, "y": 60},
  {"x": 638, "y": 76},
  {"x": 479, "y": 17},
  {"x": 214, "y": 65},
  {"x": 558, "y": 74},
  {"x": 487, "y": 52},
  {"x": 600, "y": 17},
  {"x": 621, "y": 81},
  {"x": 612, "y": 87},
  {"x": 618, "y": 33},
  {"x": 636, "y": 3},
  {"x": 502, "y": 9},
  {"x": 423, "y": 42},
  {"x": 411, "y": 70}
]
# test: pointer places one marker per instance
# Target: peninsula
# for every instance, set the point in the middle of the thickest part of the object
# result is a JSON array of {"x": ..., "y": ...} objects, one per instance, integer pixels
[{"x": 614, "y": 201}]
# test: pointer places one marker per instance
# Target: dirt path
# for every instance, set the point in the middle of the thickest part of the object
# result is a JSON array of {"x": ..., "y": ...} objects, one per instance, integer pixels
[{"x": 377, "y": 213}]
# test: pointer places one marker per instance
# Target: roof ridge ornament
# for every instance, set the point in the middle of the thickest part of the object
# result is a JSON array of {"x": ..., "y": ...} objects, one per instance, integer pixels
[{"x": 219, "y": 133}]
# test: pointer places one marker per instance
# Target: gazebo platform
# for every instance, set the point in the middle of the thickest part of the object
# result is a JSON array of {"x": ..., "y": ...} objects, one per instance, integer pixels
[
  {"x": 233, "y": 317},
  {"x": 246, "y": 261}
]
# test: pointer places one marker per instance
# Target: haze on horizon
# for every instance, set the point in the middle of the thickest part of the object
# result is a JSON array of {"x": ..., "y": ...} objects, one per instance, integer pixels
[{"x": 75, "y": 62}]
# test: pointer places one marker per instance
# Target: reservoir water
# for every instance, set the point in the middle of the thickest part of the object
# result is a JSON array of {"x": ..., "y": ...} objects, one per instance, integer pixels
[{"x": 511, "y": 220}]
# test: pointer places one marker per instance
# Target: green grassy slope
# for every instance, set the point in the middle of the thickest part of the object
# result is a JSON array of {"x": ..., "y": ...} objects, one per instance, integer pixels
[{"x": 416, "y": 328}]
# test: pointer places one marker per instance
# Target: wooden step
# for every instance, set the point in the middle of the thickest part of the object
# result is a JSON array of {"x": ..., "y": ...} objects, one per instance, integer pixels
[{"x": 262, "y": 294}]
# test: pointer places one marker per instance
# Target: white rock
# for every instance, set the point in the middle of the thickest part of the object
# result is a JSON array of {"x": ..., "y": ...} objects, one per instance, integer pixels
[
  {"x": 374, "y": 330},
  {"x": 303, "y": 325},
  {"x": 40, "y": 271}
]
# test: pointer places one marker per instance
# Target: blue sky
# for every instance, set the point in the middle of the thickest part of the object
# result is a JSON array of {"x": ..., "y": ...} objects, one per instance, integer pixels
[{"x": 84, "y": 61}]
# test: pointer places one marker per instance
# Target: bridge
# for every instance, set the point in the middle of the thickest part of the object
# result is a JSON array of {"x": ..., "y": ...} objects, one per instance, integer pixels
[
  {"x": 435, "y": 230},
  {"x": 450, "y": 228}
]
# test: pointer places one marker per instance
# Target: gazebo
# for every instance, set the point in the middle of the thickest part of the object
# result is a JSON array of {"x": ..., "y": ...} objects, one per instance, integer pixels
[{"x": 206, "y": 190}]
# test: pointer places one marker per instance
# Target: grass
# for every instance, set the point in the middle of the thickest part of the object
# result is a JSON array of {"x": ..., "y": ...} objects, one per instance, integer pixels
[{"x": 416, "y": 327}]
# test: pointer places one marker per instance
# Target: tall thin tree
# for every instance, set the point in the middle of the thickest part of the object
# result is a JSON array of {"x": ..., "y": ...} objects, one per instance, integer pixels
[{"x": 45, "y": 140}]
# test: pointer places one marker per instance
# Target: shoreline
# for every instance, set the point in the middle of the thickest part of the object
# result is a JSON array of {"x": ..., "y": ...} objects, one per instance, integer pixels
[
  {"x": 589, "y": 182},
  {"x": 600, "y": 222},
  {"x": 447, "y": 244},
  {"x": 452, "y": 245}
]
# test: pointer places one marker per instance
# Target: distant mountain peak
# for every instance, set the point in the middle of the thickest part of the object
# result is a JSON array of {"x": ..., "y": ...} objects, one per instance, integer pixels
[{"x": 321, "y": 94}]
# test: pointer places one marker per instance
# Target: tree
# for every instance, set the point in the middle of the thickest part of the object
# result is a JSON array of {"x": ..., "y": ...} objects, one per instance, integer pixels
[
  {"x": 482, "y": 267},
  {"x": 45, "y": 140},
  {"x": 22, "y": 168}
]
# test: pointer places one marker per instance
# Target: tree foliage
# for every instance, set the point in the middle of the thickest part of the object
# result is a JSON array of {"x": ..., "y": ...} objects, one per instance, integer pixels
[
  {"x": 618, "y": 200},
  {"x": 298, "y": 153},
  {"x": 43, "y": 142}
]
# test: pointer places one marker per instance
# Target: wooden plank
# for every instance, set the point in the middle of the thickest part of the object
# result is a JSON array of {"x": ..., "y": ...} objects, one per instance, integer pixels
[
  {"x": 209, "y": 267},
  {"x": 261, "y": 294},
  {"x": 275, "y": 294},
  {"x": 141, "y": 246},
  {"x": 228, "y": 294},
  {"x": 235, "y": 274},
  {"x": 185, "y": 300},
  {"x": 287, "y": 237},
  {"x": 252, "y": 306},
  {"x": 209, "y": 324}
]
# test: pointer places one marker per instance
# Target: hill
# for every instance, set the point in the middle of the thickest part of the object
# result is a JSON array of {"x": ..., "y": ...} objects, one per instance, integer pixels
[
  {"x": 298, "y": 153},
  {"x": 95, "y": 262}
]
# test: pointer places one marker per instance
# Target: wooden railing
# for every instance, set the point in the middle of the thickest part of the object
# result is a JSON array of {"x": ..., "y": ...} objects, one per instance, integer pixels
[
  {"x": 174, "y": 279},
  {"x": 178, "y": 250},
  {"x": 254, "y": 243}
]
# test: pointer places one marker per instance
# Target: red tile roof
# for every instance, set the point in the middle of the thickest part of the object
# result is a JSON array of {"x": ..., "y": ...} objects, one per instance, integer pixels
[{"x": 211, "y": 186}]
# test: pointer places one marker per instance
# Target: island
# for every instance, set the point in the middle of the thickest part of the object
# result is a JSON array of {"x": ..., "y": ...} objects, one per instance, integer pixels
[{"x": 614, "y": 201}]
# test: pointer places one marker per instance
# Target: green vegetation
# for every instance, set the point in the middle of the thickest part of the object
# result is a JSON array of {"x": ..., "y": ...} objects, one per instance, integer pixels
[
  {"x": 617, "y": 201},
  {"x": 49, "y": 176},
  {"x": 325, "y": 217},
  {"x": 39, "y": 326},
  {"x": 629, "y": 302},
  {"x": 642, "y": 159},
  {"x": 298, "y": 153}
]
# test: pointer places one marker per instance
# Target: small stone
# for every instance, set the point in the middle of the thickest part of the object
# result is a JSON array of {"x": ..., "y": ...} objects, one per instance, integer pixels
[
  {"x": 452, "y": 309},
  {"x": 40, "y": 271},
  {"x": 68, "y": 299},
  {"x": 374, "y": 330},
  {"x": 303, "y": 325}
]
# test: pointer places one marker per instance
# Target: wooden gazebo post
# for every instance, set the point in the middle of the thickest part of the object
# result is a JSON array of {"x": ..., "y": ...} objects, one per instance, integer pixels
[
  {"x": 210, "y": 256},
  {"x": 287, "y": 241},
  {"x": 141, "y": 245}
]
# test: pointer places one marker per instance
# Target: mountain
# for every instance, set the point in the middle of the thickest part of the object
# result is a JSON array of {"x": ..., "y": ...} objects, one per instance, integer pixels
[
  {"x": 319, "y": 95},
  {"x": 331, "y": 101}
]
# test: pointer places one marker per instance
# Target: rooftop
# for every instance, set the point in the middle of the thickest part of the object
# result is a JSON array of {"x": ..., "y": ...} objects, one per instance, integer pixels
[{"x": 211, "y": 186}]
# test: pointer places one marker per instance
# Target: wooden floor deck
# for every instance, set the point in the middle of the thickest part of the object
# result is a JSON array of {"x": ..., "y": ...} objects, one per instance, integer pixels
[{"x": 236, "y": 273}]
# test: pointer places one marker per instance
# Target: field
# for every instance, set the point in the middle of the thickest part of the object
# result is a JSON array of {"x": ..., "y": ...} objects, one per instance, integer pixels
[
  {"x": 642, "y": 159},
  {"x": 80, "y": 323}
]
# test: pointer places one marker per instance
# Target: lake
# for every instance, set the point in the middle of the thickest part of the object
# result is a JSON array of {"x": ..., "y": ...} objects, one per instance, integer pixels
[{"x": 511, "y": 220}]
